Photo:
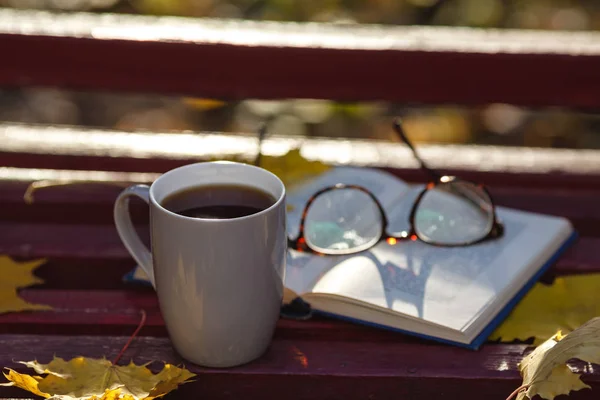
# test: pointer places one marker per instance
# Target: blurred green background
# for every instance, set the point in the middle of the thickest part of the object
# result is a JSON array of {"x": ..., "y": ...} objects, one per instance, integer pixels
[
  {"x": 537, "y": 14},
  {"x": 499, "y": 124}
]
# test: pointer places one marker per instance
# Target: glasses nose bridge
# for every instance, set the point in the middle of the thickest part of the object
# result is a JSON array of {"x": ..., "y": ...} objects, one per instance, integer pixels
[
  {"x": 393, "y": 238},
  {"x": 404, "y": 232}
]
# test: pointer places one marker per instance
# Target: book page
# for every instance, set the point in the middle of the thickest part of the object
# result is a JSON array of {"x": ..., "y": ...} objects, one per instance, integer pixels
[{"x": 449, "y": 286}]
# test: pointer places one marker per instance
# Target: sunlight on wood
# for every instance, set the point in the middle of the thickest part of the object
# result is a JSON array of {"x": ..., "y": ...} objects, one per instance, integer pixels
[
  {"x": 57, "y": 175},
  {"x": 201, "y": 146},
  {"x": 291, "y": 34}
]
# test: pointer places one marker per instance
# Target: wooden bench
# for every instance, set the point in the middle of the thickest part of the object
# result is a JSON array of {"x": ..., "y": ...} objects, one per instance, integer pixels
[{"x": 95, "y": 312}]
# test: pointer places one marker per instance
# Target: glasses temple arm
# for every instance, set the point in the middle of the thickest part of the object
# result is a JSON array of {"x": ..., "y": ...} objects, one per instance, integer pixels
[
  {"x": 262, "y": 132},
  {"x": 400, "y": 131}
]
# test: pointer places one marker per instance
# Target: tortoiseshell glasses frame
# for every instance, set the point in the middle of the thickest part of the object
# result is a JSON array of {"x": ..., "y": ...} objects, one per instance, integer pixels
[{"x": 496, "y": 228}]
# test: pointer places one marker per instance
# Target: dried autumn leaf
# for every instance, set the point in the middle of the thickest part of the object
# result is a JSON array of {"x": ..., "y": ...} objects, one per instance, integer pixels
[
  {"x": 546, "y": 309},
  {"x": 203, "y": 104},
  {"x": 17, "y": 275},
  {"x": 545, "y": 372},
  {"x": 88, "y": 378},
  {"x": 292, "y": 168}
]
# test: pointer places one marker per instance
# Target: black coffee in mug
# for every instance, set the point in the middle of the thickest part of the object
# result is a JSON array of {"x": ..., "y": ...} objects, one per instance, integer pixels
[{"x": 218, "y": 201}]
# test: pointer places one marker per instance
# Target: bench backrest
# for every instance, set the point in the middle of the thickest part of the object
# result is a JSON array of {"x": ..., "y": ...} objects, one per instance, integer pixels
[{"x": 247, "y": 59}]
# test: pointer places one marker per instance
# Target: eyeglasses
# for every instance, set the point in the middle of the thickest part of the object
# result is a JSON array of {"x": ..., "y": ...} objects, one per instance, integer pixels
[{"x": 346, "y": 218}]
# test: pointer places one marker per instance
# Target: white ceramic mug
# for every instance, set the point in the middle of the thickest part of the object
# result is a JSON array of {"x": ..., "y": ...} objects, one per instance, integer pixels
[{"x": 219, "y": 281}]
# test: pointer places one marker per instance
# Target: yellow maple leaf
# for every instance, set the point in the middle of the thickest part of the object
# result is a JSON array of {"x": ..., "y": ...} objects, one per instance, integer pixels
[
  {"x": 563, "y": 306},
  {"x": 544, "y": 370},
  {"x": 88, "y": 378},
  {"x": 292, "y": 168},
  {"x": 203, "y": 104},
  {"x": 17, "y": 275}
]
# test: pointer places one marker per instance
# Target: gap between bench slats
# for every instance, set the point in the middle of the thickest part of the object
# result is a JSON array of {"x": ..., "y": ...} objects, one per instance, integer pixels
[{"x": 308, "y": 368}]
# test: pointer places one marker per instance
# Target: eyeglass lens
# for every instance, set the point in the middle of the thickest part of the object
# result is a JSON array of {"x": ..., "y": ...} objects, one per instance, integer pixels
[
  {"x": 454, "y": 213},
  {"x": 341, "y": 221}
]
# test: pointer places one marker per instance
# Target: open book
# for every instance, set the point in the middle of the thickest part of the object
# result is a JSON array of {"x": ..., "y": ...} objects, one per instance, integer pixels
[{"x": 455, "y": 295}]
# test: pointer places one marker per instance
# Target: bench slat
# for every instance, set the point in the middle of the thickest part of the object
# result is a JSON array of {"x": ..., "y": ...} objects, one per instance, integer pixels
[
  {"x": 117, "y": 312},
  {"x": 112, "y": 150},
  {"x": 101, "y": 242},
  {"x": 92, "y": 204},
  {"x": 86, "y": 51},
  {"x": 309, "y": 368}
]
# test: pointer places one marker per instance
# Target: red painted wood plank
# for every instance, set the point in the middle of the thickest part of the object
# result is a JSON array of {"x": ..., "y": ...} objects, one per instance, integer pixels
[
  {"x": 305, "y": 60},
  {"x": 302, "y": 369},
  {"x": 117, "y": 312},
  {"x": 73, "y": 272},
  {"x": 104, "y": 193},
  {"x": 112, "y": 312},
  {"x": 45, "y": 166},
  {"x": 92, "y": 204},
  {"x": 47, "y": 240},
  {"x": 101, "y": 242},
  {"x": 109, "y": 150}
]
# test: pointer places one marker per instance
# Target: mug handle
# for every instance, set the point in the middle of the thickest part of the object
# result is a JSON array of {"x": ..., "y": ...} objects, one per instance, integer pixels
[{"x": 129, "y": 236}]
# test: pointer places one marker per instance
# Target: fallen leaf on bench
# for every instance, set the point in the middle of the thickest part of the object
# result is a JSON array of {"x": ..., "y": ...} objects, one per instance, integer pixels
[
  {"x": 98, "y": 379},
  {"x": 546, "y": 309},
  {"x": 203, "y": 104},
  {"x": 292, "y": 168},
  {"x": 17, "y": 275},
  {"x": 545, "y": 372}
]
